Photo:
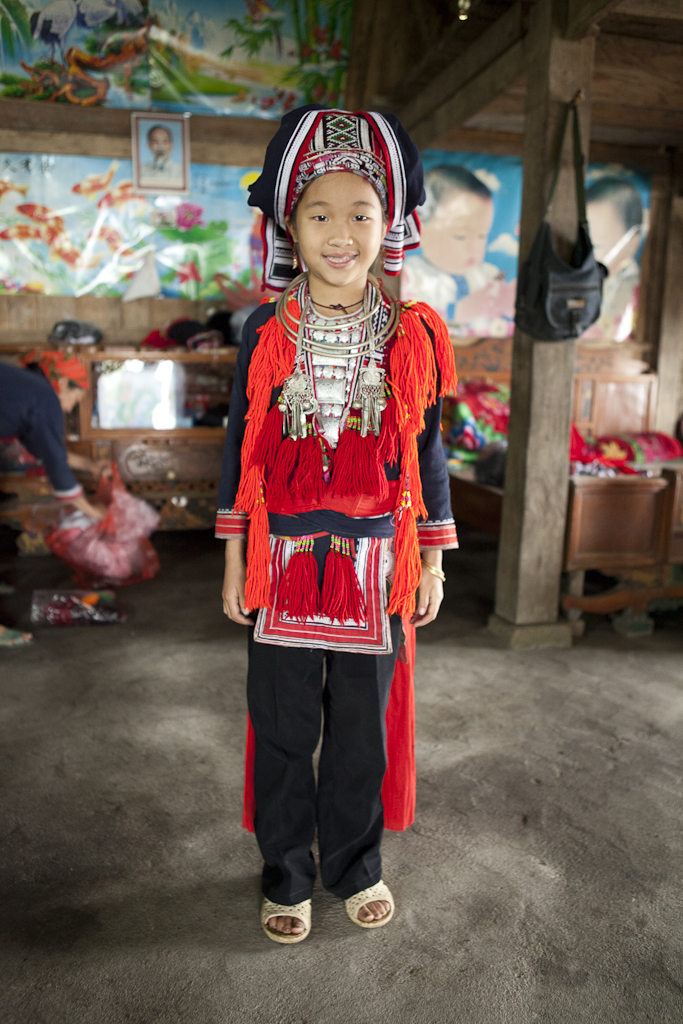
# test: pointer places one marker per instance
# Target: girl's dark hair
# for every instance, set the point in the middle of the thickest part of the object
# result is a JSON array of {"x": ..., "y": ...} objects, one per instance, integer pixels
[{"x": 445, "y": 178}]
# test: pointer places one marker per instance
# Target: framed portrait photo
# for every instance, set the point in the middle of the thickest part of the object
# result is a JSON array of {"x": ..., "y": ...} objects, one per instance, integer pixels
[{"x": 161, "y": 153}]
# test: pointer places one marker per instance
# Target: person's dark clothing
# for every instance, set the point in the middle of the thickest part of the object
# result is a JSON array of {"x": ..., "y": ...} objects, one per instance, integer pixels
[{"x": 30, "y": 411}]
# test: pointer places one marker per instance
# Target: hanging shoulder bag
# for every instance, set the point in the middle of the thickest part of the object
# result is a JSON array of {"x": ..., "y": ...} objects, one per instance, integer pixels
[{"x": 556, "y": 300}]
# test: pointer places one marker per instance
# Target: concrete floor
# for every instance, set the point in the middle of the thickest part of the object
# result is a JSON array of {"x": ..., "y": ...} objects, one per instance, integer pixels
[{"x": 540, "y": 883}]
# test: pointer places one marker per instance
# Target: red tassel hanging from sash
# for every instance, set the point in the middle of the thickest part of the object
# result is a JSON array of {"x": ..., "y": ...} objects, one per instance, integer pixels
[
  {"x": 298, "y": 592},
  {"x": 387, "y": 442},
  {"x": 297, "y": 470},
  {"x": 269, "y": 440},
  {"x": 281, "y": 479},
  {"x": 341, "y": 597},
  {"x": 357, "y": 466},
  {"x": 308, "y": 478}
]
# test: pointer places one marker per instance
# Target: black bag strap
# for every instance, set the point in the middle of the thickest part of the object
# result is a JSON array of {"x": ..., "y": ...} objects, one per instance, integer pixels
[{"x": 571, "y": 108}]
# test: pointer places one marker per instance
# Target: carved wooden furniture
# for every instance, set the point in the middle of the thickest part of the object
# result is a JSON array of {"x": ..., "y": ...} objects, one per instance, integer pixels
[
  {"x": 613, "y": 523},
  {"x": 174, "y": 467}
]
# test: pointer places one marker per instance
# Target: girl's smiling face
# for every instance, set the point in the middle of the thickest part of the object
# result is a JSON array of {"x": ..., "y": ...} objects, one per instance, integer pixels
[{"x": 338, "y": 226}]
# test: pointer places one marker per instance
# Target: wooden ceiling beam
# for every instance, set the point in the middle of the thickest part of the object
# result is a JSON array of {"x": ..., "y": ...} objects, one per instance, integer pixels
[
  {"x": 667, "y": 9},
  {"x": 482, "y": 71},
  {"x": 583, "y": 14},
  {"x": 481, "y": 140}
]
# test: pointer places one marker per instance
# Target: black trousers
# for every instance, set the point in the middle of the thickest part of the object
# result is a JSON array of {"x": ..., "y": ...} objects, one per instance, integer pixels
[{"x": 286, "y": 699}]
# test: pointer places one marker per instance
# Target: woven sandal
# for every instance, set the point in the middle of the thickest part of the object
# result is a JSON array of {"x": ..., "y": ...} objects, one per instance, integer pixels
[
  {"x": 300, "y": 910},
  {"x": 359, "y": 899}
]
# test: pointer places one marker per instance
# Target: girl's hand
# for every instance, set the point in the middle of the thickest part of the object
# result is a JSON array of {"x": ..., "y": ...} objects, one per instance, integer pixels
[
  {"x": 233, "y": 582},
  {"x": 430, "y": 593}
]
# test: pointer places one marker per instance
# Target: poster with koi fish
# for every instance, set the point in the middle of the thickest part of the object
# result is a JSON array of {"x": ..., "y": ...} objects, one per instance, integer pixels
[
  {"x": 256, "y": 58},
  {"x": 75, "y": 226}
]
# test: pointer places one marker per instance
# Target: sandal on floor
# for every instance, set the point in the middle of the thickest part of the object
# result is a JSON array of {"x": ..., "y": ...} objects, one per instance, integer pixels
[
  {"x": 14, "y": 638},
  {"x": 300, "y": 910},
  {"x": 359, "y": 899}
]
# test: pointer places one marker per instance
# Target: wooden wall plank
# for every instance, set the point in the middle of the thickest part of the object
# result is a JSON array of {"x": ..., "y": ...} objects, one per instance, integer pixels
[
  {"x": 28, "y": 319},
  {"x": 57, "y": 128},
  {"x": 118, "y": 147}
]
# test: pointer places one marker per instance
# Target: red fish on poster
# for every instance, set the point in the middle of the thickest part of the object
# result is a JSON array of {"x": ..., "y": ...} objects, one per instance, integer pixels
[
  {"x": 114, "y": 240},
  {"x": 20, "y": 233},
  {"x": 42, "y": 214},
  {"x": 122, "y": 193},
  {"x": 64, "y": 248},
  {"x": 9, "y": 186},
  {"x": 94, "y": 183}
]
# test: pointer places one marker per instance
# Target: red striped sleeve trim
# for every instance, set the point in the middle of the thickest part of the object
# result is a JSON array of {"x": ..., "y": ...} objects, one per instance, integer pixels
[
  {"x": 437, "y": 535},
  {"x": 67, "y": 496},
  {"x": 231, "y": 524}
]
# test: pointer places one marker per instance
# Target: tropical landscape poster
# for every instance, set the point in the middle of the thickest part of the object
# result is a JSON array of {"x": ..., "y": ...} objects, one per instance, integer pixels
[{"x": 238, "y": 57}]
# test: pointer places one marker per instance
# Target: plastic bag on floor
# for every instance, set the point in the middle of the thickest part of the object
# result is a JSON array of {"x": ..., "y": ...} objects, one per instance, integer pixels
[
  {"x": 117, "y": 550},
  {"x": 75, "y": 608}
]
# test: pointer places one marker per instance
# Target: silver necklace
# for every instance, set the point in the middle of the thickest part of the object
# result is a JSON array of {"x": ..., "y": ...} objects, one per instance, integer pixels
[{"x": 348, "y": 337}]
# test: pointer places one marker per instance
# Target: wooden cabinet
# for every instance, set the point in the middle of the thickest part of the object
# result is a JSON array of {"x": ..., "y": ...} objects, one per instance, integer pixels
[
  {"x": 141, "y": 412},
  {"x": 613, "y": 523},
  {"x": 616, "y": 523}
]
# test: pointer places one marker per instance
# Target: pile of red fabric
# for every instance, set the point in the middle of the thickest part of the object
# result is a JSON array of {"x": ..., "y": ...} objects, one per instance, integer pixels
[
  {"x": 486, "y": 402},
  {"x": 614, "y": 451},
  {"x": 117, "y": 549}
]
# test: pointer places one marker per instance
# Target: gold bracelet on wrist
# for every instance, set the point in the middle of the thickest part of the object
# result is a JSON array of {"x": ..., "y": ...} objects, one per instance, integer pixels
[{"x": 439, "y": 573}]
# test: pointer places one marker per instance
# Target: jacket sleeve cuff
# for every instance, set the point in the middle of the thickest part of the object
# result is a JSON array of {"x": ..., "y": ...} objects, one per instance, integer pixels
[
  {"x": 437, "y": 534},
  {"x": 231, "y": 524}
]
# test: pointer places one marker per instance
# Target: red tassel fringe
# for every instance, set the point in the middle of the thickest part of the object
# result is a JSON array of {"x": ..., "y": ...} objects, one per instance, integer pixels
[
  {"x": 257, "y": 588},
  {"x": 271, "y": 363},
  {"x": 308, "y": 478},
  {"x": 357, "y": 466},
  {"x": 281, "y": 479},
  {"x": 269, "y": 440},
  {"x": 443, "y": 347},
  {"x": 408, "y": 569},
  {"x": 298, "y": 594},
  {"x": 387, "y": 444},
  {"x": 342, "y": 597},
  {"x": 297, "y": 470}
]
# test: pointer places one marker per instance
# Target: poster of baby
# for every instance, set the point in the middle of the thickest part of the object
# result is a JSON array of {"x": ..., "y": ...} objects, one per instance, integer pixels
[{"x": 466, "y": 266}]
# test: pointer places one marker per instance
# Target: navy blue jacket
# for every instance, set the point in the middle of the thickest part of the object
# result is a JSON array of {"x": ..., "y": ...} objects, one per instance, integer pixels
[{"x": 438, "y": 530}]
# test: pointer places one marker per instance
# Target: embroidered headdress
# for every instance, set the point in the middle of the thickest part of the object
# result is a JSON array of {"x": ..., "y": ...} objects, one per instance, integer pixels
[{"x": 312, "y": 141}]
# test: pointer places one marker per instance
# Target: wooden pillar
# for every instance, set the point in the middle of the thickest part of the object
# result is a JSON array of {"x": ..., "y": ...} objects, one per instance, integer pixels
[
  {"x": 537, "y": 476},
  {"x": 670, "y": 353}
]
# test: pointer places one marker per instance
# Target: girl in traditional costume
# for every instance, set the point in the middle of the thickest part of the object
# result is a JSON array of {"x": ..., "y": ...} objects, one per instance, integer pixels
[{"x": 334, "y": 474}]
